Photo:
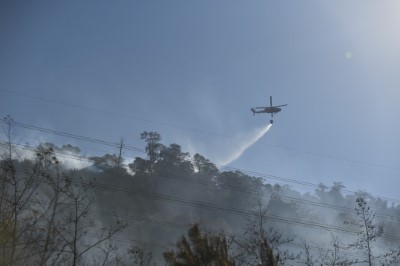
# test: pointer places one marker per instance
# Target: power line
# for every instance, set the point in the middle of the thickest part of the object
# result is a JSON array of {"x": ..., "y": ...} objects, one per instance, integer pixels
[
  {"x": 242, "y": 212},
  {"x": 286, "y": 220},
  {"x": 183, "y": 226},
  {"x": 229, "y": 187},
  {"x": 132, "y": 148},
  {"x": 168, "y": 246},
  {"x": 213, "y": 230},
  {"x": 197, "y": 130},
  {"x": 231, "y": 210}
]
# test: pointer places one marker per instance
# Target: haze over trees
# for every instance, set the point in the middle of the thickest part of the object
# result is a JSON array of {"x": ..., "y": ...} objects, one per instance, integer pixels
[{"x": 171, "y": 207}]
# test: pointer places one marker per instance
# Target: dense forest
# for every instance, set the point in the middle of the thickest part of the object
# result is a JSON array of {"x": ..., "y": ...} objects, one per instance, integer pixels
[{"x": 170, "y": 207}]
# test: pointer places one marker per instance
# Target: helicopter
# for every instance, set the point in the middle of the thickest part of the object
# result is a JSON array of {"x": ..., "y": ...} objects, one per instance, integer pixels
[{"x": 269, "y": 110}]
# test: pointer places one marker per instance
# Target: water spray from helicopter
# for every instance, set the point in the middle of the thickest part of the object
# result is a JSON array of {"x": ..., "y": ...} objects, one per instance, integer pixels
[
  {"x": 257, "y": 134},
  {"x": 253, "y": 138}
]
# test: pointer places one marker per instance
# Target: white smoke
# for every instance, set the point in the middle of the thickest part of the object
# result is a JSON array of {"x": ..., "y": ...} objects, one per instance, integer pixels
[
  {"x": 69, "y": 159},
  {"x": 73, "y": 163},
  {"x": 252, "y": 138}
]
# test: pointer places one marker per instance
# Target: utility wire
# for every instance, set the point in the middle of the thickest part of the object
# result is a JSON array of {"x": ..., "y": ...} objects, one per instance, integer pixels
[
  {"x": 195, "y": 130},
  {"x": 131, "y": 148},
  {"x": 231, "y": 210},
  {"x": 172, "y": 224},
  {"x": 168, "y": 246},
  {"x": 222, "y": 186},
  {"x": 145, "y": 219}
]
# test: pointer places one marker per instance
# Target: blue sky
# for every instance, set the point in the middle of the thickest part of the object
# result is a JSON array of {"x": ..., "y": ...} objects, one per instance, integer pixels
[{"x": 201, "y": 65}]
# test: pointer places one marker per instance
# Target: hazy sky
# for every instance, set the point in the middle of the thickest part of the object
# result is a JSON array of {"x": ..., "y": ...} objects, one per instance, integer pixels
[{"x": 192, "y": 70}]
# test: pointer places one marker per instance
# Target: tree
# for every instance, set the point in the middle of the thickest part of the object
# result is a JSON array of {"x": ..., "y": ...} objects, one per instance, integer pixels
[
  {"x": 140, "y": 165},
  {"x": 174, "y": 161},
  {"x": 200, "y": 250},
  {"x": 153, "y": 146},
  {"x": 262, "y": 246},
  {"x": 140, "y": 257},
  {"x": 44, "y": 213},
  {"x": 331, "y": 256},
  {"x": 230, "y": 186},
  {"x": 106, "y": 161},
  {"x": 17, "y": 192},
  {"x": 47, "y": 240},
  {"x": 62, "y": 230},
  {"x": 80, "y": 227},
  {"x": 205, "y": 169},
  {"x": 308, "y": 259},
  {"x": 368, "y": 230}
]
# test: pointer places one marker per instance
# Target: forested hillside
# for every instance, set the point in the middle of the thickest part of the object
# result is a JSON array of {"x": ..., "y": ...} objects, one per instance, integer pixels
[{"x": 175, "y": 208}]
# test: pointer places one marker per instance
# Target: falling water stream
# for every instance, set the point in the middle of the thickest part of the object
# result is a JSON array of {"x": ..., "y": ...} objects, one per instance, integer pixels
[{"x": 253, "y": 138}]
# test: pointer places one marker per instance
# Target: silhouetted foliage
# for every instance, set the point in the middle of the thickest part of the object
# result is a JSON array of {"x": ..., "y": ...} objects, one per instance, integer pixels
[
  {"x": 333, "y": 255},
  {"x": 153, "y": 146},
  {"x": 262, "y": 245},
  {"x": 200, "y": 250},
  {"x": 50, "y": 215},
  {"x": 369, "y": 231}
]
